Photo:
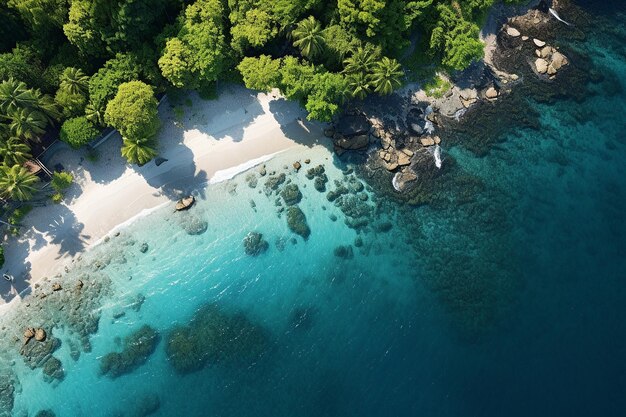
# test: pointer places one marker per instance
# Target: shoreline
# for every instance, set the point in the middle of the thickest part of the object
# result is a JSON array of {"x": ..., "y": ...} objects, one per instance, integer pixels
[{"x": 208, "y": 145}]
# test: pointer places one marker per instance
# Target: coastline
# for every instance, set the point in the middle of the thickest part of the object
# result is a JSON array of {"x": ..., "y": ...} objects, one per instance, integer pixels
[
  {"x": 214, "y": 141},
  {"x": 213, "y": 137}
]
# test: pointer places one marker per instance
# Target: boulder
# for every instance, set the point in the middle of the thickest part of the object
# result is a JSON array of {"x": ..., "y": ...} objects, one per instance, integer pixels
[
  {"x": 558, "y": 60},
  {"x": 353, "y": 143},
  {"x": 512, "y": 32},
  {"x": 427, "y": 141},
  {"x": 159, "y": 160},
  {"x": 437, "y": 140},
  {"x": 307, "y": 161},
  {"x": 541, "y": 65},
  {"x": 297, "y": 165},
  {"x": 56, "y": 287},
  {"x": 185, "y": 203},
  {"x": 254, "y": 244},
  {"x": 143, "y": 248},
  {"x": 551, "y": 70},
  {"x": 538, "y": 43},
  {"x": 491, "y": 93},
  {"x": 40, "y": 335},
  {"x": 403, "y": 159},
  {"x": 545, "y": 52},
  {"x": 525, "y": 38}
]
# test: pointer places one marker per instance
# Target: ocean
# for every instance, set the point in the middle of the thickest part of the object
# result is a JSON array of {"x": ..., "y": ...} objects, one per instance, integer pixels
[{"x": 500, "y": 294}]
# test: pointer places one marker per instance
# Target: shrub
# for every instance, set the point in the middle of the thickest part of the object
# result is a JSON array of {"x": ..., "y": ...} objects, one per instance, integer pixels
[
  {"x": 61, "y": 180},
  {"x": 78, "y": 131}
]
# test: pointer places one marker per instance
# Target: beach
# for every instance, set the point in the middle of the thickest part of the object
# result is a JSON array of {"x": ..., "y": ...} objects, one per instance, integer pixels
[{"x": 203, "y": 141}]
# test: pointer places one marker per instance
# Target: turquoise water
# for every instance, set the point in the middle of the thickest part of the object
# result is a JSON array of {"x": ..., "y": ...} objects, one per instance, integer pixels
[{"x": 505, "y": 296}]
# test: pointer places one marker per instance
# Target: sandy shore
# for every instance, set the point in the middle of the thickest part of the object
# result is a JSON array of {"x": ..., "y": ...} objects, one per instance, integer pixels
[{"x": 203, "y": 141}]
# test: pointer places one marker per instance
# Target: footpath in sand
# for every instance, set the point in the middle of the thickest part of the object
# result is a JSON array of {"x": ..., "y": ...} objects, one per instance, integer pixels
[{"x": 211, "y": 141}]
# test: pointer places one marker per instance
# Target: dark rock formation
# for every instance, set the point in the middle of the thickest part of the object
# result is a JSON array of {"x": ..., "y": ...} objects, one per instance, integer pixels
[
  {"x": 352, "y": 125},
  {"x": 291, "y": 194},
  {"x": 137, "y": 349},
  {"x": 214, "y": 337},
  {"x": 273, "y": 182},
  {"x": 254, "y": 244},
  {"x": 344, "y": 252},
  {"x": 296, "y": 220},
  {"x": 53, "y": 369}
]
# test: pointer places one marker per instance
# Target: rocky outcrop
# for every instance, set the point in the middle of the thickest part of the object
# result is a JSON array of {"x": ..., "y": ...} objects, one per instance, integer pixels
[
  {"x": 137, "y": 348},
  {"x": 214, "y": 337},
  {"x": 352, "y": 125},
  {"x": 344, "y": 252},
  {"x": 296, "y": 220},
  {"x": 254, "y": 244},
  {"x": 291, "y": 194}
]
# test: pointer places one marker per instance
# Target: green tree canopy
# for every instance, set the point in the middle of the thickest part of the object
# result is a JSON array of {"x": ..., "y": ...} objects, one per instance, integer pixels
[
  {"x": 260, "y": 73},
  {"x": 133, "y": 111},
  {"x": 308, "y": 37},
  {"x": 197, "y": 55},
  {"x": 17, "y": 182},
  {"x": 78, "y": 131}
]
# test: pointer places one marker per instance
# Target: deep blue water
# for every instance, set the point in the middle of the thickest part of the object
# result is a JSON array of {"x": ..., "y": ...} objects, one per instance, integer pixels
[{"x": 509, "y": 301}]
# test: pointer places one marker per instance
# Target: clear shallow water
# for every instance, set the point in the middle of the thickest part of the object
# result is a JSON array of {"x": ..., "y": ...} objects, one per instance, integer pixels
[{"x": 511, "y": 303}]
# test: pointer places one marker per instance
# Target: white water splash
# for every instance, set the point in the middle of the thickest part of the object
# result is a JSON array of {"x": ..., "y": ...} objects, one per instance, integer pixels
[
  {"x": 429, "y": 127},
  {"x": 459, "y": 113},
  {"x": 556, "y": 15},
  {"x": 394, "y": 182},
  {"x": 437, "y": 155}
]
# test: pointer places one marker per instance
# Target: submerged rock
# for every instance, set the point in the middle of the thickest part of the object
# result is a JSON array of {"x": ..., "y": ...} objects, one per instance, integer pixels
[
  {"x": 254, "y": 244},
  {"x": 45, "y": 413},
  {"x": 214, "y": 337},
  {"x": 53, "y": 369},
  {"x": 194, "y": 225},
  {"x": 296, "y": 220},
  {"x": 344, "y": 252},
  {"x": 291, "y": 194},
  {"x": 274, "y": 181},
  {"x": 137, "y": 349}
]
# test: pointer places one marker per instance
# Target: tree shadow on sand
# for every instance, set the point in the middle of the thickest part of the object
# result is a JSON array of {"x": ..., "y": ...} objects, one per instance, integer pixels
[
  {"x": 62, "y": 228},
  {"x": 18, "y": 268},
  {"x": 229, "y": 115},
  {"x": 295, "y": 126}
]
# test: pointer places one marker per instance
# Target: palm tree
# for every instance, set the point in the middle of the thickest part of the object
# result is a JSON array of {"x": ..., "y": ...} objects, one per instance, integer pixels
[
  {"x": 14, "y": 152},
  {"x": 46, "y": 105},
  {"x": 15, "y": 95},
  {"x": 94, "y": 115},
  {"x": 309, "y": 37},
  {"x": 387, "y": 76},
  {"x": 359, "y": 85},
  {"x": 138, "y": 151},
  {"x": 28, "y": 123},
  {"x": 17, "y": 182},
  {"x": 74, "y": 81},
  {"x": 362, "y": 60}
]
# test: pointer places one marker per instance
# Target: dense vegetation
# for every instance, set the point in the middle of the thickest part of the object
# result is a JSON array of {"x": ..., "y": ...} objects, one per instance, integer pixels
[{"x": 82, "y": 65}]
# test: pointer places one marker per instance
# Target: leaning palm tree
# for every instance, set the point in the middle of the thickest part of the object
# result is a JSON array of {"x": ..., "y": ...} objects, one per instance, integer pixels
[
  {"x": 15, "y": 95},
  {"x": 308, "y": 37},
  {"x": 387, "y": 76},
  {"x": 46, "y": 105},
  {"x": 28, "y": 123},
  {"x": 74, "y": 81},
  {"x": 14, "y": 152},
  {"x": 138, "y": 151},
  {"x": 362, "y": 60},
  {"x": 359, "y": 85},
  {"x": 17, "y": 182}
]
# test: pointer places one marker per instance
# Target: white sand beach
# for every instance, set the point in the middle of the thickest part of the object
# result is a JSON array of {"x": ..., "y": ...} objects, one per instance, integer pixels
[{"x": 211, "y": 141}]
